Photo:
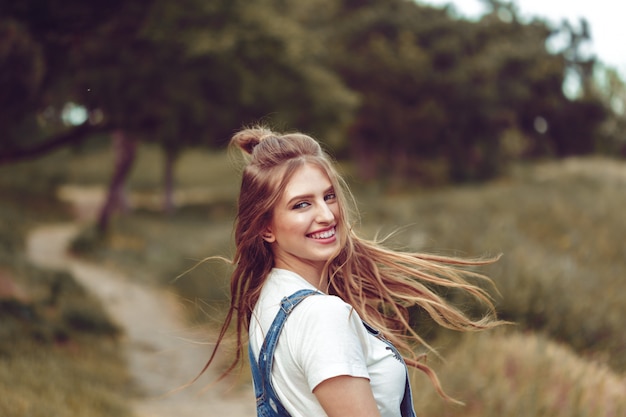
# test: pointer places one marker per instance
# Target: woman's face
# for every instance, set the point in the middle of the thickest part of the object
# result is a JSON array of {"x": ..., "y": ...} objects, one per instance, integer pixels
[{"x": 303, "y": 230}]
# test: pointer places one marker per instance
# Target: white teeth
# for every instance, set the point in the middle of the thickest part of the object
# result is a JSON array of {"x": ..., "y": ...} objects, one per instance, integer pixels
[{"x": 324, "y": 235}]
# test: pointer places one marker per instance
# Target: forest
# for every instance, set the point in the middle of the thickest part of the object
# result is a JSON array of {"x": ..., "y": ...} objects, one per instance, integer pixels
[
  {"x": 378, "y": 81},
  {"x": 115, "y": 117}
]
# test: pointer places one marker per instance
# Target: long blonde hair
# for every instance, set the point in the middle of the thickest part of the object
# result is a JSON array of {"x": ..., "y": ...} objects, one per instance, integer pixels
[{"x": 380, "y": 284}]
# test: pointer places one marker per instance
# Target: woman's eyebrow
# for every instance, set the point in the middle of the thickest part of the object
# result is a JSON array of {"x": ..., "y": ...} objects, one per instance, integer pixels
[{"x": 308, "y": 196}]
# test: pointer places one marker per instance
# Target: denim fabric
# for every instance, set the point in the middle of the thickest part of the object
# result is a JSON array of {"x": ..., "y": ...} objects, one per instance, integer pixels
[{"x": 267, "y": 402}]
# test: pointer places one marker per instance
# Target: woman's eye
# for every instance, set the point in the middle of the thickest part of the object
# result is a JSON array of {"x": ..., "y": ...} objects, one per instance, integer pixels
[
  {"x": 330, "y": 196},
  {"x": 300, "y": 205}
]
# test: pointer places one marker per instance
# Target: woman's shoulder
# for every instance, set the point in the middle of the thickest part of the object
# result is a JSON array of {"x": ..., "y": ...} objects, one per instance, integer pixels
[
  {"x": 320, "y": 306},
  {"x": 321, "y": 300},
  {"x": 324, "y": 319}
]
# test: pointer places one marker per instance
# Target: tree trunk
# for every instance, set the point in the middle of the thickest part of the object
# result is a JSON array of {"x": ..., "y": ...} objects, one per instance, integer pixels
[{"x": 124, "y": 150}]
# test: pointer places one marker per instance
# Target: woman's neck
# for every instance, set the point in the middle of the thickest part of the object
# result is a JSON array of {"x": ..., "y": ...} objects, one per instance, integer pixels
[{"x": 312, "y": 273}]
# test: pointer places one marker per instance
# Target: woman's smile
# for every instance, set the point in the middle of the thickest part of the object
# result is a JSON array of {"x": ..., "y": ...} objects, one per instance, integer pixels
[{"x": 326, "y": 235}]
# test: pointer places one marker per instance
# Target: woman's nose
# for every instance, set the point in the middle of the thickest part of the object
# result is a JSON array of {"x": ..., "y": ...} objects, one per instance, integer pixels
[{"x": 324, "y": 213}]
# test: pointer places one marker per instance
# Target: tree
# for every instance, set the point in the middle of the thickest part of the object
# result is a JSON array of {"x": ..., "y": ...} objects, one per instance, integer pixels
[
  {"x": 184, "y": 73},
  {"x": 438, "y": 87},
  {"x": 376, "y": 51},
  {"x": 36, "y": 44},
  {"x": 612, "y": 91}
]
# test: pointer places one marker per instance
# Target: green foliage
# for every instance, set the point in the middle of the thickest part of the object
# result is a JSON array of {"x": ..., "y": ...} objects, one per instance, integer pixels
[
  {"x": 39, "y": 67},
  {"x": 176, "y": 73},
  {"x": 434, "y": 86},
  {"x": 19, "y": 88},
  {"x": 612, "y": 92},
  {"x": 187, "y": 73}
]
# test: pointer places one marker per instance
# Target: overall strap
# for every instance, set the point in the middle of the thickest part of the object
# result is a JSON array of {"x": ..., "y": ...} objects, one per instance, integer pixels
[
  {"x": 261, "y": 370},
  {"x": 266, "y": 357}
]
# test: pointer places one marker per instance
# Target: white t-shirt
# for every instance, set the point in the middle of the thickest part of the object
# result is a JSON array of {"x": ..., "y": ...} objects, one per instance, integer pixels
[{"x": 323, "y": 338}]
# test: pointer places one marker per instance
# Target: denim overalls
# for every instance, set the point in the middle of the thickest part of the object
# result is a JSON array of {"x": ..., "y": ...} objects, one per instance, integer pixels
[{"x": 267, "y": 402}]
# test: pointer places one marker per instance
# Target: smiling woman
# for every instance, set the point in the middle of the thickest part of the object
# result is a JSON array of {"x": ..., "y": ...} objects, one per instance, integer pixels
[
  {"x": 303, "y": 227},
  {"x": 339, "y": 352}
]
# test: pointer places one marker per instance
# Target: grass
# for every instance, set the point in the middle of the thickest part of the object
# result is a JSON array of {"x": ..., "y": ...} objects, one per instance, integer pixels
[
  {"x": 504, "y": 373},
  {"x": 559, "y": 226},
  {"x": 81, "y": 378},
  {"x": 560, "y": 232},
  {"x": 59, "y": 353}
]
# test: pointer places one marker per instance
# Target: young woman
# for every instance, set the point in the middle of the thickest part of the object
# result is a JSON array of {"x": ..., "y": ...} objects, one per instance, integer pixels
[{"x": 327, "y": 311}]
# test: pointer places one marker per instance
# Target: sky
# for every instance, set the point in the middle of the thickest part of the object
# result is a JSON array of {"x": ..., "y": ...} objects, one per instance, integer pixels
[{"x": 607, "y": 20}]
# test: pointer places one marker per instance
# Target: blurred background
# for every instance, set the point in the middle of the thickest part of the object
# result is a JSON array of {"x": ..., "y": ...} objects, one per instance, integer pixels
[{"x": 462, "y": 135}]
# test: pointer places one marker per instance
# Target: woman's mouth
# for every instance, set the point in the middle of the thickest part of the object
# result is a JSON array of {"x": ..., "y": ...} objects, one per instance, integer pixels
[{"x": 326, "y": 234}]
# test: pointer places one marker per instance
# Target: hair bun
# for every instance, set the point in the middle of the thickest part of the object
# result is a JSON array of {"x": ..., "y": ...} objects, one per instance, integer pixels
[{"x": 248, "y": 139}]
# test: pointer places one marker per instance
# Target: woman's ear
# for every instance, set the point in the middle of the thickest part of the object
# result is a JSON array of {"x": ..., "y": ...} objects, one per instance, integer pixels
[{"x": 268, "y": 236}]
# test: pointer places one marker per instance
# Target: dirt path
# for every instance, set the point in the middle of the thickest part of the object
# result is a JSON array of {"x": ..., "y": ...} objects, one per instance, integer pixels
[{"x": 163, "y": 353}]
